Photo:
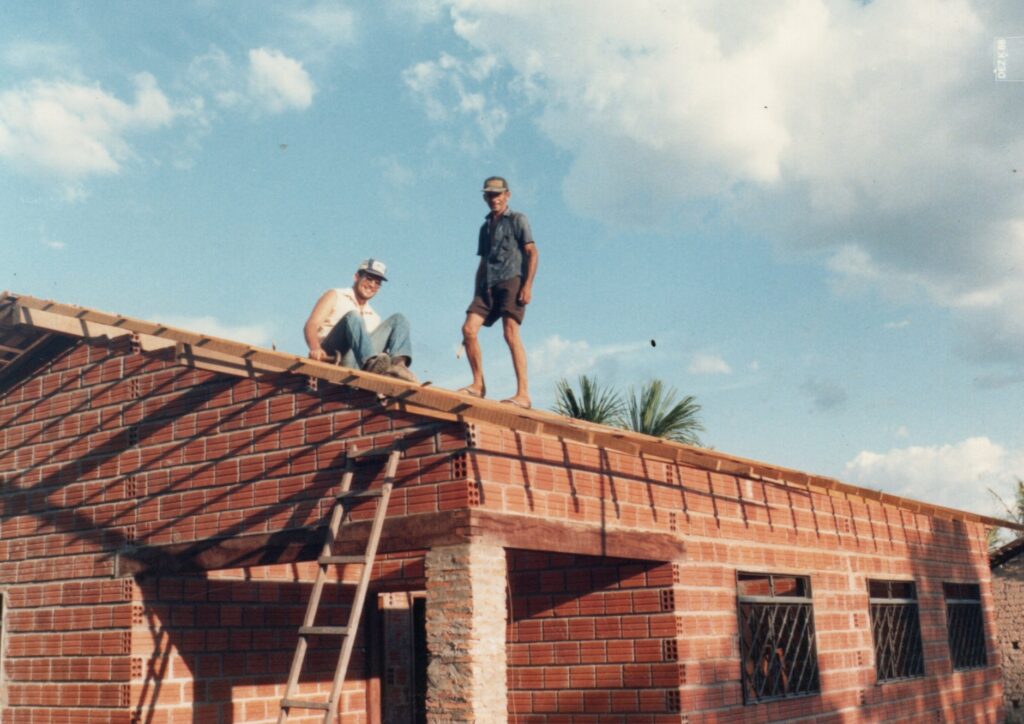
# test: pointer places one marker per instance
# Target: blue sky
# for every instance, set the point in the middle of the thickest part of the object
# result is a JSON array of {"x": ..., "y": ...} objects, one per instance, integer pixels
[{"x": 813, "y": 210}]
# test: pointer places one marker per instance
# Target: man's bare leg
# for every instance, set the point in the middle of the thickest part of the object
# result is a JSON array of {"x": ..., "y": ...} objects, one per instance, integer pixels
[
  {"x": 515, "y": 346},
  {"x": 470, "y": 330}
]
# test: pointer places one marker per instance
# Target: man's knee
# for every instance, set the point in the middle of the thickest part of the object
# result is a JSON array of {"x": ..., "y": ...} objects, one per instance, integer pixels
[
  {"x": 470, "y": 328},
  {"x": 352, "y": 320}
]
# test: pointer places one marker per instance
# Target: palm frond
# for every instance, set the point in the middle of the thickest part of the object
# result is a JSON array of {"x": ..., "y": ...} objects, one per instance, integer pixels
[
  {"x": 653, "y": 410},
  {"x": 593, "y": 402}
]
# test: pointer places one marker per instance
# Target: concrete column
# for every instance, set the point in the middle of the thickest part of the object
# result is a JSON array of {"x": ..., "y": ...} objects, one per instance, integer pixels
[{"x": 466, "y": 618}]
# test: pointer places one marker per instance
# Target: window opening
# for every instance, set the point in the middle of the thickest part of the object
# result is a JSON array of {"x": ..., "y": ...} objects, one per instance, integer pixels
[
  {"x": 896, "y": 629},
  {"x": 965, "y": 625},
  {"x": 777, "y": 642}
]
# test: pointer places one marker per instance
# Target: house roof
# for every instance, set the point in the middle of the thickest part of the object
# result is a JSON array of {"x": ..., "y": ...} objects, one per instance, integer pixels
[
  {"x": 1006, "y": 553},
  {"x": 27, "y": 324}
]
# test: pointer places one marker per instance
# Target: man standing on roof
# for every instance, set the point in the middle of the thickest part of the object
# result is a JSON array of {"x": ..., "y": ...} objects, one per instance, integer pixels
[
  {"x": 344, "y": 327},
  {"x": 504, "y": 286}
]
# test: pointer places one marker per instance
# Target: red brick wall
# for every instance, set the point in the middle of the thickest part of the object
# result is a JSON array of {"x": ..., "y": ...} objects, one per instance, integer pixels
[
  {"x": 68, "y": 649},
  {"x": 218, "y": 648},
  {"x": 1008, "y": 598},
  {"x": 102, "y": 448},
  {"x": 731, "y": 523},
  {"x": 591, "y": 637}
]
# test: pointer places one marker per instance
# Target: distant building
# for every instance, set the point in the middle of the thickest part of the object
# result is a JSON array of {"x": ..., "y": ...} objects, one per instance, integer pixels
[
  {"x": 163, "y": 496},
  {"x": 1008, "y": 600}
]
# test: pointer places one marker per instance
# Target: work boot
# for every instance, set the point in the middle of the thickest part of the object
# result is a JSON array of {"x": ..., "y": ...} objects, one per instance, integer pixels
[
  {"x": 379, "y": 364},
  {"x": 400, "y": 370}
]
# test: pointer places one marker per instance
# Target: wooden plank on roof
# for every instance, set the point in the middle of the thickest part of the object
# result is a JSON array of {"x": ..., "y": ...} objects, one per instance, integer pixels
[
  {"x": 208, "y": 359},
  {"x": 149, "y": 343},
  {"x": 68, "y": 325},
  {"x": 223, "y": 346},
  {"x": 79, "y": 321},
  {"x": 413, "y": 409},
  {"x": 616, "y": 442}
]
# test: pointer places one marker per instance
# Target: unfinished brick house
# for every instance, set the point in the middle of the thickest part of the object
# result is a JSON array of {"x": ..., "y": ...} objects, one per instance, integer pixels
[
  {"x": 164, "y": 497},
  {"x": 1008, "y": 600}
]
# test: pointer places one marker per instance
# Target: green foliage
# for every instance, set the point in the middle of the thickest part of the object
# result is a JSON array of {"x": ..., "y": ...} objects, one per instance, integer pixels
[
  {"x": 653, "y": 409},
  {"x": 593, "y": 403}
]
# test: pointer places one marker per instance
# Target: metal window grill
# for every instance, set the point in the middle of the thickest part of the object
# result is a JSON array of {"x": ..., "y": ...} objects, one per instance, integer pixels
[
  {"x": 896, "y": 629},
  {"x": 965, "y": 625},
  {"x": 777, "y": 642}
]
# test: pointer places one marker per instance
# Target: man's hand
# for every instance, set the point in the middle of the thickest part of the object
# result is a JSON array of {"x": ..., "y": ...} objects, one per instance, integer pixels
[
  {"x": 525, "y": 292},
  {"x": 317, "y": 354}
]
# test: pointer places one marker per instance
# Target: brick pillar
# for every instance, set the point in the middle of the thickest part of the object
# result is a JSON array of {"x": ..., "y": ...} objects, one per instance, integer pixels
[{"x": 466, "y": 617}]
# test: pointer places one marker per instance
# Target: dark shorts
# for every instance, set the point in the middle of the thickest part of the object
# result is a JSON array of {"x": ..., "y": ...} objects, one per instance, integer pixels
[{"x": 499, "y": 301}]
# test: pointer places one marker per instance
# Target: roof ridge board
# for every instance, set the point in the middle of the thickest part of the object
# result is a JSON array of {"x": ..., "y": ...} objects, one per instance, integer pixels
[{"x": 536, "y": 420}]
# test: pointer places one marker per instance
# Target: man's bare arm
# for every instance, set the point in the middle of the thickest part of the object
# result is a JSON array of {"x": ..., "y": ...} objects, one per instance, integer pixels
[
  {"x": 324, "y": 306},
  {"x": 481, "y": 272},
  {"x": 526, "y": 289}
]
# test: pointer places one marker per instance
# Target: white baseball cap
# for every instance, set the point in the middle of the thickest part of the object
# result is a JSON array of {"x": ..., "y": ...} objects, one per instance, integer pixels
[{"x": 373, "y": 267}]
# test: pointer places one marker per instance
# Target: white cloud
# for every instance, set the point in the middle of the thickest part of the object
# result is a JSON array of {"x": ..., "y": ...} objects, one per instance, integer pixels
[
  {"x": 278, "y": 83},
  {"x": 708, "y": 364},
  {"x": 869, "y": 130},
  {"x": 255, "y": 334},
  {"x": 214, "y": 74},
  {"x": 330, "y": 23},
  {"x": 955, "y": 475},
  {"x": 416, "y": 12},
  {"x": 35, "y": 55},
  {"x": 557, "y": 357},
  {"x": 73, "y": 130},
  {"x": 450, "y": 88},
  {"x": 270, "y": 82},
  {"x": 901, "y": 324}
]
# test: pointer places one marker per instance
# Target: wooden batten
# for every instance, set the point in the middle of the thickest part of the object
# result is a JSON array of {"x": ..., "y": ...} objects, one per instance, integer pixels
[{"x": 236, "y": 358}]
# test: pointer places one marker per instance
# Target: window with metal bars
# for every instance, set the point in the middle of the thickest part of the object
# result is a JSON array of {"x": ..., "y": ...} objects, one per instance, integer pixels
[
  {"x": 896, "y": 629},
  {"x": 777, "y": 645},
  {"x": 965, "y": 625}
]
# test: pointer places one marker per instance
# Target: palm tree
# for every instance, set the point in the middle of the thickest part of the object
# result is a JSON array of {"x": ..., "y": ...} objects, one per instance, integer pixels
[
  {"x": 593, "y": 403},
  {"x": 653, "y": 410}
]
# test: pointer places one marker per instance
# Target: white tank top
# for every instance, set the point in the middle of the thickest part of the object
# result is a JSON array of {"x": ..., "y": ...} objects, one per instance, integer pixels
[{"x": 345, "y": 302}]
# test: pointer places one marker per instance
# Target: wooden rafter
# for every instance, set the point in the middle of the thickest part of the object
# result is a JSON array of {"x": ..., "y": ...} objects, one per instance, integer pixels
[{"x": 237, "y": 358}]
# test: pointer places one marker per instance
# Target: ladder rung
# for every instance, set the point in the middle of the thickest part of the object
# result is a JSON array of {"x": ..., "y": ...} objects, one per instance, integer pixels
[
  {"x": 327, "y": 560},
  {"x": 299, "y": 704},
  {"x": 359, "y": 494},
  {"x": 323, "y": 630}
]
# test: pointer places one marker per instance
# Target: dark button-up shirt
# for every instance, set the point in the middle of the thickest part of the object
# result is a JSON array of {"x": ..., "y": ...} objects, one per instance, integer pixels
[{"x": 501, "y": 245}]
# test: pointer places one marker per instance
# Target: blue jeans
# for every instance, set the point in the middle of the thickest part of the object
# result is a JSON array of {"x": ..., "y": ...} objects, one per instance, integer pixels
[{"x": 350, "y": 338}]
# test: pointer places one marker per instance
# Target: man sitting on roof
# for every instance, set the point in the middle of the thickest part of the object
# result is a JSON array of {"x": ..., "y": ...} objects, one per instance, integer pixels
[{"x": 344, "y": 327}]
